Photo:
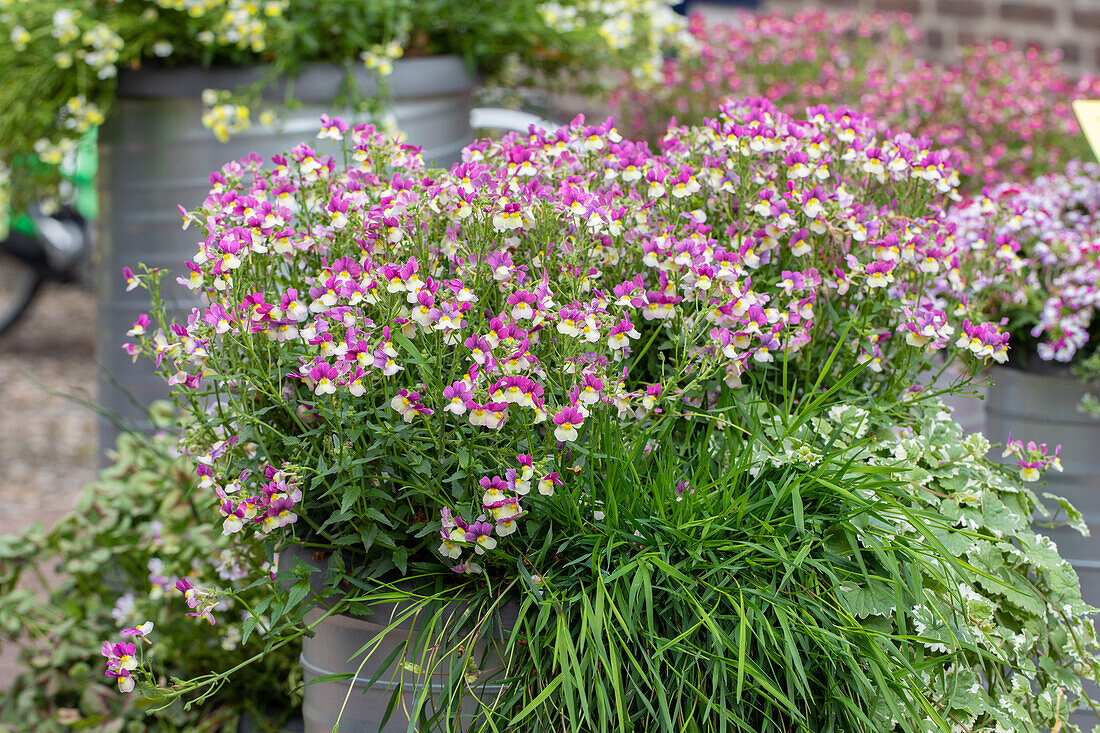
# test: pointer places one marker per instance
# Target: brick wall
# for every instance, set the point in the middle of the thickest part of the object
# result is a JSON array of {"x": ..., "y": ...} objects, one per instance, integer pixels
[{"x": 1070, "y": 25}]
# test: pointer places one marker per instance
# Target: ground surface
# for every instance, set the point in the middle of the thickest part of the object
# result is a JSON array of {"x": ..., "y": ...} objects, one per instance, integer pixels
[{"x": 47, "y": 442}]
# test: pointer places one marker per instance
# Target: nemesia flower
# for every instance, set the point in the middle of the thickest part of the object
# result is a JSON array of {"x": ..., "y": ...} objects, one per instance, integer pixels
[
  {"x": 495, "y": 490},
  {"x": 1032, "y": 460},
  {"x": 480, "y": 534},
  {"x": 235, "y": 514},
  {"x": 138, "y": 329},
  {"x": 457, "y": 395},
  {"x": 520, "y": 482},
  {"x": 332, "y": 128},
  {"x": 407, "y": 404},
  {"x": 505, "y": 513},
  {"x": 449, "y": 548},
  {"x": 548, "y": 483},
  {"x": 121, "y": 661},
  {"x": 200, "y": 599},
  {"x": 141, "y": 630},
  {"x": 324, "y": 377},
  {"x": 490, "y": 414},
  {"x": 567, "y": 422},
  {"x": 467, "y": 567},
  {"x": 618, "y": 337}
]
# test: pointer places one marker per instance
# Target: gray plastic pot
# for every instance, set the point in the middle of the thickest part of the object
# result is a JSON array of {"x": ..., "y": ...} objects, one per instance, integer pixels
[
  {"x": 360, "y": 703},
  {"x": 155, "y": 155}
]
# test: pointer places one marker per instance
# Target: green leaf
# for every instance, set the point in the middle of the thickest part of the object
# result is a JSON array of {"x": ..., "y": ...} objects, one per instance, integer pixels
[
  {"x": 246, "y": 628},
  {"x": 352, "y": 493},
  {"x": 863, "y": 601},
  {"x": 401, "y": 559},
  {"x": 298, "y": 591},
  {"x": 1074, "y": 518}
]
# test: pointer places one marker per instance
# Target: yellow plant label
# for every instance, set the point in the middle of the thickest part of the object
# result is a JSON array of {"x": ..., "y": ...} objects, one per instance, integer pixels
[{"x": 1088, "y": 116}]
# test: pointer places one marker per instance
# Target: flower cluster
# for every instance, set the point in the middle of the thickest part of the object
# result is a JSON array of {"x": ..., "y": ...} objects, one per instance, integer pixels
[
  {"x": 222, "y": 116},
  {"x": 121, "y": 661},
  {"x": 396, "y": 331},
  {"x": 1034, "y": 251},
  {"x": 236, "y": 23},
  {"x": 382, "y": 56},
  {"x": 646, "y": 26},
  {"x": 500, "y": 504},
  {"x": 122, "y": 657},
  {"x": 202, "y": 600}
]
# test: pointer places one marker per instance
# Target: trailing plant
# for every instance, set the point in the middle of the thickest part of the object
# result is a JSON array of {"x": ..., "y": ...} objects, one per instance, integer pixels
[
  {"x": 1029, "y": 638},
  {"x": 113, "y": 562}
]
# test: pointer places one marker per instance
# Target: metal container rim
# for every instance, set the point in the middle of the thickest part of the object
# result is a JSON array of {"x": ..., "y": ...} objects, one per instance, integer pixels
[{"x": 316, "y": 83}]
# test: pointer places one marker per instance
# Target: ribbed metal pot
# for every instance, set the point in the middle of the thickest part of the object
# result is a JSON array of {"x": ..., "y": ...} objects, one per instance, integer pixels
[
  {"x": 969, "y": 412},
  {"x": 358, "y": 704},
  {"x": 1042, "y": 407},
  {"x": 155, "y": 155},
  {"x": 328, "y": 704}
]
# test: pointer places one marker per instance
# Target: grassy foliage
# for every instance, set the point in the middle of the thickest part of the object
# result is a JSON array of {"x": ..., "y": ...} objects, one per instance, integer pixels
[{"x": 718, "y": 609}]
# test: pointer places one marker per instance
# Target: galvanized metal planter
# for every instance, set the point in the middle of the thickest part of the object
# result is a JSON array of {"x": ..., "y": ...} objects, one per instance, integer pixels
[
  {"x": 155, "y": 155},
  {"x": 361, "y": 702},
  {"x": 1042, "y": 406},
  {"x": 360, "y": 705}
]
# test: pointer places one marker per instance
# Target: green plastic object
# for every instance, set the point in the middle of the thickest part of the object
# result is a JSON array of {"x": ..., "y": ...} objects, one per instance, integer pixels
[
  {"x": 82, "y": 172},
  {"x": 79, "y": 171}
]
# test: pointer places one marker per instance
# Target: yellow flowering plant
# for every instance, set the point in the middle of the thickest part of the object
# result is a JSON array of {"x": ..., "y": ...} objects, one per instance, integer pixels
[{"x": 60, "y": 59}]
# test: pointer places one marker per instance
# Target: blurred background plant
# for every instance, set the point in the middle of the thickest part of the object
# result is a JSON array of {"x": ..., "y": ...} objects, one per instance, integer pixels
[
  {"x": 795, "y": 60},
  {"x": 113, "y": 562},
  {"x": 1004, "y": 112},
  {"x": 61, "y": 58},
  {"x": 1035, "y": 253}
]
